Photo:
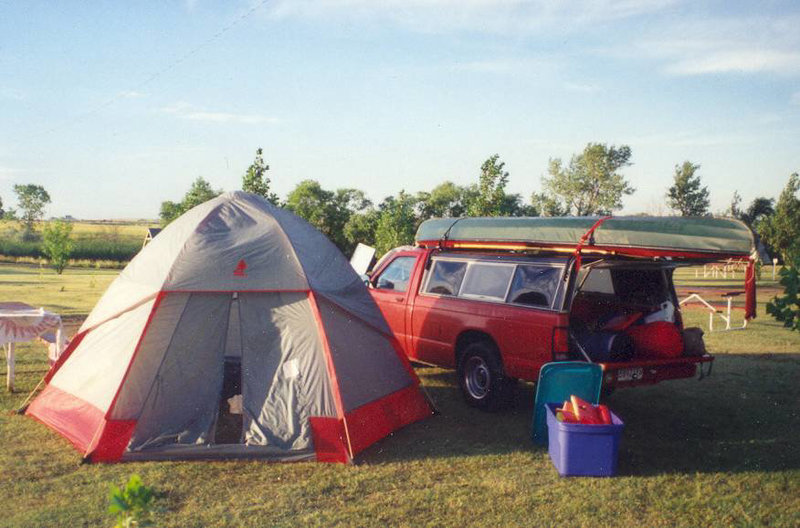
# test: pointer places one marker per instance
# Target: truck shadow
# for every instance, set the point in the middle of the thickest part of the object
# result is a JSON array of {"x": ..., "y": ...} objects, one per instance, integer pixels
[{"x": 745, "y": 417}]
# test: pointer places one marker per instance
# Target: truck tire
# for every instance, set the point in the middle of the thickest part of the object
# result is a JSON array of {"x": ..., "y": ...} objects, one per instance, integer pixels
[{"x": 481, "y": 378}]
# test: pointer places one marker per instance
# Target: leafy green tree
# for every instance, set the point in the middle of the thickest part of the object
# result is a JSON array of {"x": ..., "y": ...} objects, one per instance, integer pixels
[
  {"x": 397, "y": 223},
  {"x": 759, "y": 209},
  {"x": 57, "y": 244},
  {"x": 32, "y": 200},
  {"x": 781, "y": 230},
  {"x": 491, "y": 189},
  {"x": 591, "y": 184},
  {"x": 547, "y": 205},
  {"x": 687, "y": 195},
  {"x": 445, "y": 200},
  {"x": 361, "y": 227},
  {"x": 2, "y": 212},
  {"x": 786, "y": 308},
  {"x": 256, "y": 181},
  {"x": 200, "y": 192},
  {"x": 328, "y": 211}
]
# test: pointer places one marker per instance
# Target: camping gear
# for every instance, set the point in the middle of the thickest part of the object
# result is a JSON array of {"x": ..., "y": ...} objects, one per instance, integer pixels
[
  {"x": 656, "y": 340},
  {"x": 605, "y": 346},
  {"x": 583, "y": 450},
  {"x": 237, "y": 306},
  {"x": 557, "y": 382},
  {"x": 693, "y": 344},
  {"x": 697, "y": 239}
]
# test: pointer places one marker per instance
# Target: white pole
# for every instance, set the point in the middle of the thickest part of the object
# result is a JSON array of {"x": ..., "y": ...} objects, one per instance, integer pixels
[
  {"x": 774, "y": 263},
  {"x": 10, "y": 360}
]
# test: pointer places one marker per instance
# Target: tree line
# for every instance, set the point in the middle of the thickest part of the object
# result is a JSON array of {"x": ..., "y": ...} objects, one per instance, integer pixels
[{"x": 591, "y": 183}]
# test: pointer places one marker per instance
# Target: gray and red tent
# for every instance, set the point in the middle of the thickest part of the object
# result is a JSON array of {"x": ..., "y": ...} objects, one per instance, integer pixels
[{"x": 237, "y": 309}]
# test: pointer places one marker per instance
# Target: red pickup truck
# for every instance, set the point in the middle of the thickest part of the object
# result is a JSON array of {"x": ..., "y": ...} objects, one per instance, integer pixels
[{"x": 498, "y": 316}]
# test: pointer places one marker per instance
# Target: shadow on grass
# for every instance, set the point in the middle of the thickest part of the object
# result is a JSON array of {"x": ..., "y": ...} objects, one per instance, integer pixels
[{"x": 745, "y": 417}]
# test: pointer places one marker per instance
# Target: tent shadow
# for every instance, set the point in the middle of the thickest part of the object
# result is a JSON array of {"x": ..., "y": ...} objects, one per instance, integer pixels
[{"x": 745, "y": 417}]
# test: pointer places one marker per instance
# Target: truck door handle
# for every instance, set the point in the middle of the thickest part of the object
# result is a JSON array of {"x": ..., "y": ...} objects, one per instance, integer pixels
[{"x": 399, "y": 299}]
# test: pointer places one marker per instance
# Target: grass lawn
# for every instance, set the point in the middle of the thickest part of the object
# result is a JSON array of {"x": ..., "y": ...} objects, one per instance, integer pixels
[{"x": 720, "y": 452}]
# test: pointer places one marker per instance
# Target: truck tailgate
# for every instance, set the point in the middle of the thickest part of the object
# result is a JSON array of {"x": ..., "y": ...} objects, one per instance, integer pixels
[{"x": 649, "y": 371}]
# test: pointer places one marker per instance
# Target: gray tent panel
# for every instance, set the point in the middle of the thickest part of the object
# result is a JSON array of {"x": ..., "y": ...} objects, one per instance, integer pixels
[
  {"x": 184, "y": 397},
  {"x": 284, "y": 373},
  {"x": 237, "y": 231},
  {"x": 367, "y": 365},
  {"x": 328, "y": 272},
  {"x": 148, "y": 358}
]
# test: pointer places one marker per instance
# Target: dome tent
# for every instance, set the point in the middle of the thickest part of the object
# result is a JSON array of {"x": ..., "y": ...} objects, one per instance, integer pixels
[{"x": 240, "y": 331}]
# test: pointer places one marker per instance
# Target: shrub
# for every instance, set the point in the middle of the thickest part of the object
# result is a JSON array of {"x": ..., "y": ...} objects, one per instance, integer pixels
[
  {"x": 786, "y": 308},
  {"x": 56, "y": 243},
  {"x": 132, "y": 505}
]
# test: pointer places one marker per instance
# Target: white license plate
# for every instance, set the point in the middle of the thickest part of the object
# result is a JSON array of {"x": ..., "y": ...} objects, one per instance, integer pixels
[{"x": 630, "y": 374}]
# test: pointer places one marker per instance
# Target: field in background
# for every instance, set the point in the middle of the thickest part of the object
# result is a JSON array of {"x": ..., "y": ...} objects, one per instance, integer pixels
[
  {"x": 720, "y": 452},
  {"x": 98, "y": 243}
]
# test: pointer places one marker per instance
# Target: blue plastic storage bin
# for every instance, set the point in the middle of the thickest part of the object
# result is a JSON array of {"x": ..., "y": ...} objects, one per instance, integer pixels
[{"x": 583, "y": 450}]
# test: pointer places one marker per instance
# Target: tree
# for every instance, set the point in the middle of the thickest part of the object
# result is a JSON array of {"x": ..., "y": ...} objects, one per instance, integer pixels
[
  {"x": 759, "y": 209},
  {"x": 781, "y": 230},
  {"x": 57, "y": 244},
  {"x": 328, "y": 211},
  {"x": 591, "y": 184},
  {"x": 397, "y": 223},
  {"x": 2, "y": 212},
  {"x": 200, "y": 192},
  {"x": 491, "y": 189},
  {"x": 547, "y": 205},
  {"x": 786, "y": 308},
  {"x": 361, "y": 227},
  {"x": 255, "y": 179},
  {"x": 736, "y": 205},
  {"x": 32, "y": 200},
  {"x": 445, "y": 200},
  {"x": 686, "y": 195}
]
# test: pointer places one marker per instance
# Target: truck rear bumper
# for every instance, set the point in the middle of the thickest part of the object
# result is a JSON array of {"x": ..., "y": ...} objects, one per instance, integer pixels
[{"x": 648, "y": 372}]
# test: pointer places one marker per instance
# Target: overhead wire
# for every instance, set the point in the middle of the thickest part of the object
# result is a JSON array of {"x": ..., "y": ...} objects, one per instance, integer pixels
[{"x": 169, "y": 67}]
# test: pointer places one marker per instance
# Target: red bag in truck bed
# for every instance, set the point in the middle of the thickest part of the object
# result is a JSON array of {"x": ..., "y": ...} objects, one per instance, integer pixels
[{"x": 659, "y": 339}]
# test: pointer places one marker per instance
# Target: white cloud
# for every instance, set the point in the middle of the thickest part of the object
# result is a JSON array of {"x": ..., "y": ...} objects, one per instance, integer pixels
[
  {"x": 795, "y": 99},
  {"x": 131, "y": 94},
  {"x": 581, "y": 87},
  {"x": 502, "y": 65},
  {"x": 183, "y": 110},
  {"x": 750, "y": 45},
  {"x": 11, "y": 93}
]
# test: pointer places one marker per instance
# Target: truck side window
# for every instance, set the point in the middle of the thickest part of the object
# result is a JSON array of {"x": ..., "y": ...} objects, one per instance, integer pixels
[
  {"x": 396, "y": 275},
  {"x": 534, "y": 285},
  {"x": 446, "y": 277},
  {"x": 486, "y": 281}
]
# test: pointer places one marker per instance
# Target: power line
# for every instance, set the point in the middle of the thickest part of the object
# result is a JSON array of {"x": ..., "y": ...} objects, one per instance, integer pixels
[{"x": 169, "y": 67}]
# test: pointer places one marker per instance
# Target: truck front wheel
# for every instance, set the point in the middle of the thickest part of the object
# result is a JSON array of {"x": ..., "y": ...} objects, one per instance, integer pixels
[{"x": 481, "y": 377}]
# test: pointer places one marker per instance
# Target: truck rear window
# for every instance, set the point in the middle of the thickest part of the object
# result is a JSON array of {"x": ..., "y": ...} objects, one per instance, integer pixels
[
  {"x": 534, "y": 285},
  {"x": 487, "y": 281},
  {"x": 446, "y": 277}
]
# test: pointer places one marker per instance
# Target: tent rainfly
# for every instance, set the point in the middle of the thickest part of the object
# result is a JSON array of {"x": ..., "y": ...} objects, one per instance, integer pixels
[{"x": 239, "y": 331}]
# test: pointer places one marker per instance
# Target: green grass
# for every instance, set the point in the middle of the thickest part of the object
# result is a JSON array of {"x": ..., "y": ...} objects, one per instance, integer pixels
[{"x": 719, "y": 452}]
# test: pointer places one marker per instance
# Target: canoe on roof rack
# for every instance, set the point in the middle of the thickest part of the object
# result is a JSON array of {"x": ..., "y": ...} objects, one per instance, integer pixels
[{"x": 682, "y": 238}]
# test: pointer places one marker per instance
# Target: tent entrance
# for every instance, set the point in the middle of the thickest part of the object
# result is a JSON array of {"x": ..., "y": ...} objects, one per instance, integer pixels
[{"x": 229, "y": 424}]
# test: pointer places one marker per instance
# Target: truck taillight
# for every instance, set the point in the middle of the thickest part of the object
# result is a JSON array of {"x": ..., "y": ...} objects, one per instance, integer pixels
[{"x": 560, "y": 344}]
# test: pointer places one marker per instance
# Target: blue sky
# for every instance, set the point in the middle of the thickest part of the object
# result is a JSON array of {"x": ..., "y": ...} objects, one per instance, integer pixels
[{"x": 115, "y": 107}]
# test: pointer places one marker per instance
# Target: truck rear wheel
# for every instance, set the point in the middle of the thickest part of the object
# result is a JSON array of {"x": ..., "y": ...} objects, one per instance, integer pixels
[{"x": 481, "y": 378}]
